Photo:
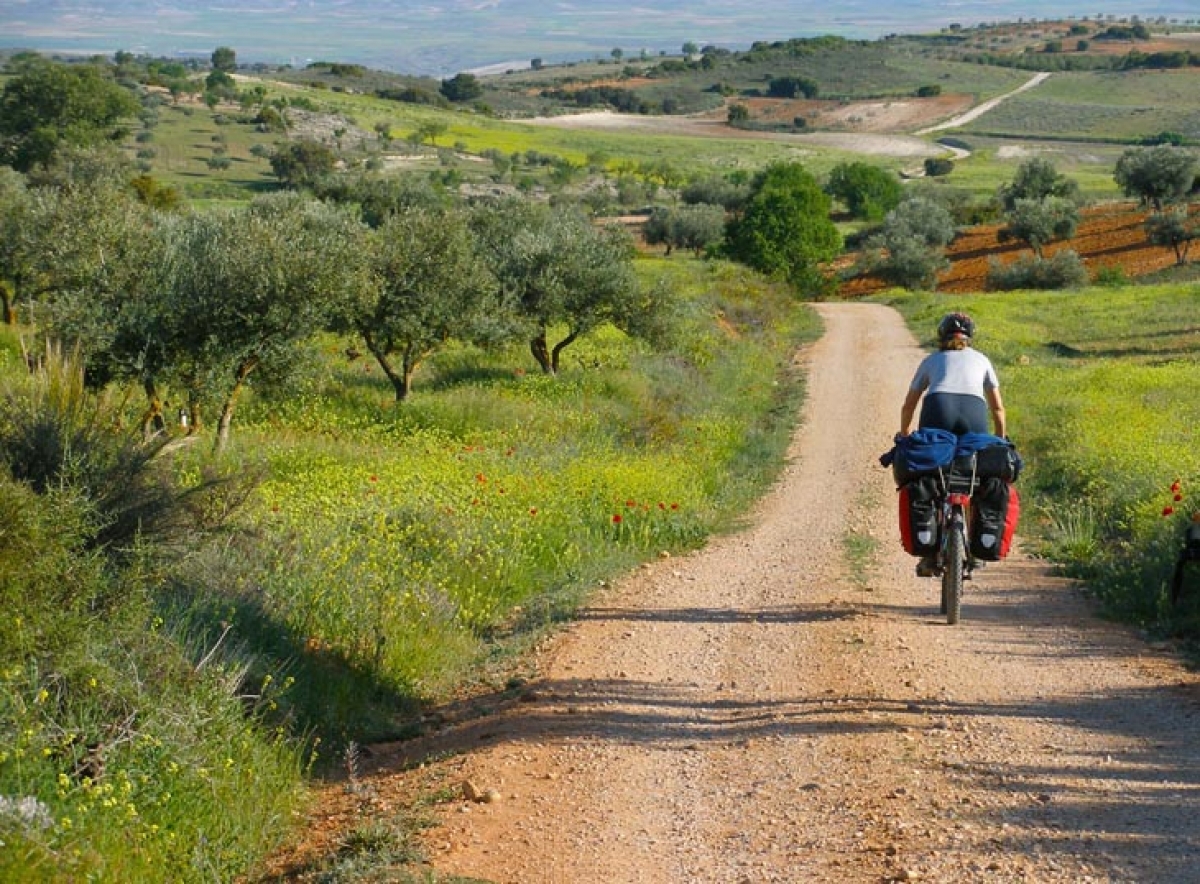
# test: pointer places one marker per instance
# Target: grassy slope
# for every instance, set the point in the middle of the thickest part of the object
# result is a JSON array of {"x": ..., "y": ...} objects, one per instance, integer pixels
[{"x": 1105, "y": 106}]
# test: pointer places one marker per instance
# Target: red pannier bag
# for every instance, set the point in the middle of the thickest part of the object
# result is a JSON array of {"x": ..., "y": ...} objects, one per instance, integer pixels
[{"x": 995, "y": 510}]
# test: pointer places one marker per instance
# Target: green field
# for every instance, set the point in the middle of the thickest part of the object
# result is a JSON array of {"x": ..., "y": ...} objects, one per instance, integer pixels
[{"x": 1102, "y": 106}]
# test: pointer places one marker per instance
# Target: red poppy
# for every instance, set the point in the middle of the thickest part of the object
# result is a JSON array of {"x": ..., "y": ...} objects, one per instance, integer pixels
[
  {"x": 631, "y": 503},
  {"x": 480, "y": 477},
  {"x": 616, "y": 518},
  {"x": 1175, "y": 486},
  {"x": 1168, "y": 510},
  {"x": 374, "y": 478},
  {"x": 533, "y": 511},
  {"x": 1178, "y": 497}
]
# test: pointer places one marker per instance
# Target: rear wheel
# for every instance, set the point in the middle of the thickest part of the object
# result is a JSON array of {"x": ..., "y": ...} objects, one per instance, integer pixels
[{"x": 952, "y": 575}]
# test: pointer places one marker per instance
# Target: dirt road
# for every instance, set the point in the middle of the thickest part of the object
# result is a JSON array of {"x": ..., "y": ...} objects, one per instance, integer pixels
[
  {"x": 979, "y": 110},
  {"x": 776, "y": 709}
]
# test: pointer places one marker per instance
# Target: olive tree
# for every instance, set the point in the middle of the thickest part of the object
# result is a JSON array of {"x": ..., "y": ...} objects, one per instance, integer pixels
[
  {"x": 557, "y": 270},
  {"x": 1037, "y": 179},
  {"x": 909, "y": 247},
  {"x": 429, "y": 286},
  {"x": 16, "y": 254},
  {"x": 1038, "y": 222},
  {"x": 693, "y": 227},
  {"x": 90, "y": 249},
  {"x": 1174, "y": 230},
  {"x": 1156, "y": 175},
  {"x": 249, "y": 286}
]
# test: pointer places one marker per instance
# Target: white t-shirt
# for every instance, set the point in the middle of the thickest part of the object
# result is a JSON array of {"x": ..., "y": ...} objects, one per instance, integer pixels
[{"x": 966, "y": 372}]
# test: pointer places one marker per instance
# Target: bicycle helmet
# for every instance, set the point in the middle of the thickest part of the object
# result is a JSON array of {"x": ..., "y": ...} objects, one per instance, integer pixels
[{"x": 956, "y": 325}]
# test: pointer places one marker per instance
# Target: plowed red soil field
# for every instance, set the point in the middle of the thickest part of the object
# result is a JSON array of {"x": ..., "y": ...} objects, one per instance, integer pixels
[{"x": 1109, "y": 236}]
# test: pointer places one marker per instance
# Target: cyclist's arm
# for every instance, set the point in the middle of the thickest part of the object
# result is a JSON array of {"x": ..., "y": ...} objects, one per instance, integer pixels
[
  {"x": 996, "y": 405},
  {"x": 908, "y": 410}
]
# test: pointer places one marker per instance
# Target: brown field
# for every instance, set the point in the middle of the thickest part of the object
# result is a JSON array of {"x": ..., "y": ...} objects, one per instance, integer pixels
[{"x": 1109, "y": 236}]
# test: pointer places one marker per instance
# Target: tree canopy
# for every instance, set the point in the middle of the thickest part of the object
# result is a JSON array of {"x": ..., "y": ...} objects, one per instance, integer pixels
[
  {"x": 1156, "y": 175},
  {"x": 868, "y": 192},
  {"x": 908, "y": 249},
  {"x": 1037, "y": 179},
  {"x": 557, "y": 269},
  {"x": 47, "y": 104},
  {"x": 785, "y": 229},
  {"x": 430, "y": 285},
  {"x": 1040, "y": 222}
]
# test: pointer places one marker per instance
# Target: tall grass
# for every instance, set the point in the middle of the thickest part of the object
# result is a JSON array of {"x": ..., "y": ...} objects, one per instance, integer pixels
[
  {"x": 126, "y": 754},
  {"x": 1100, "y": 385}
]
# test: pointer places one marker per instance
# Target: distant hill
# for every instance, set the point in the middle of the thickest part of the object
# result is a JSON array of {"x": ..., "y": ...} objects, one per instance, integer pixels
[{"x": 443, "y": 37}]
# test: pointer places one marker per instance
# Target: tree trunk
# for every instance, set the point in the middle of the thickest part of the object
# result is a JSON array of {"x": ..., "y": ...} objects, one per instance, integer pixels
[
  {"x": 225, "y": 421},
  {"x": 6, "y": 300},
  {"x": 541, "y": 352},
  {"x": 559, "y": 347},
  {"x": 398, "y": 381},
  {"x": 194, "y": 415},
  {"x": 412, "y": 360},
  {"x": 152, "y": 420}
]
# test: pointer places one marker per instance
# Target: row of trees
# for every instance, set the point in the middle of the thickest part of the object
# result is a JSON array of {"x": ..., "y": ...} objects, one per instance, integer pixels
[
  {"x": 1039, "y": 206},
  {"x": 201, "y": 303}
]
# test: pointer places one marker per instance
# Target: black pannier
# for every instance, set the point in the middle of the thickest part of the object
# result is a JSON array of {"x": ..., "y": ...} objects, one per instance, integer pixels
[
  {"x": 919, "y": 516},
  {"x": 995, "y": 510},
  {"x": 1000, "y": 461}
]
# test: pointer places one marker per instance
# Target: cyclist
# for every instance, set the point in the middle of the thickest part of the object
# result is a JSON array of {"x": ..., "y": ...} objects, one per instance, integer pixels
[
  {"x": 958, "y": 382},
  {"x": 960, "y": 388}
]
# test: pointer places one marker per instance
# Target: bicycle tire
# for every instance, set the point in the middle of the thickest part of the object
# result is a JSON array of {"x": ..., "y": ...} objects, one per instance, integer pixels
[{"x": 952, "y": 575}]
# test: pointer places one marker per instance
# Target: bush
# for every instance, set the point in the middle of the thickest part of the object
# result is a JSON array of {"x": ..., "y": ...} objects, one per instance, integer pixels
[
  {"x": 56, "y": 438},
  {"x": 1063, "y": 270},
  {"x": 126, "y": 754}
]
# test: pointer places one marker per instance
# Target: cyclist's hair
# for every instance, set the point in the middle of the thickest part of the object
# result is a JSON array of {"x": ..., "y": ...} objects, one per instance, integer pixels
[{"x": 955, "y": 344}]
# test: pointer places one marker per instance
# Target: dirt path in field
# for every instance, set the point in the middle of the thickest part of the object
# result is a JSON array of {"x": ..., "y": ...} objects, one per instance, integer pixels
[
  {"x": 981, "y": 109},
  {"x": 764, "y": 710}
]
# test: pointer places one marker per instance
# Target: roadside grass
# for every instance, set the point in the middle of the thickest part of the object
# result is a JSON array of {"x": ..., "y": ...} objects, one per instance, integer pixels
[
  {"x": 860, "y": 550},
  {"x": 129, "y": 750},
  {"x": 1100, "y": 386}
]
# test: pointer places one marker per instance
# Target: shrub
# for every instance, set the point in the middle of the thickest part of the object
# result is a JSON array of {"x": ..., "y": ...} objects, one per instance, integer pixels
[
  {"x": 1061, "y": 271},
  {"x": 57, "y": 438}
]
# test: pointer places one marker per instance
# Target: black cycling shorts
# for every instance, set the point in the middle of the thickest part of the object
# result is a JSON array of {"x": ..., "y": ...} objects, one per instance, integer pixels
[{"x": 957, "y": 412}]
